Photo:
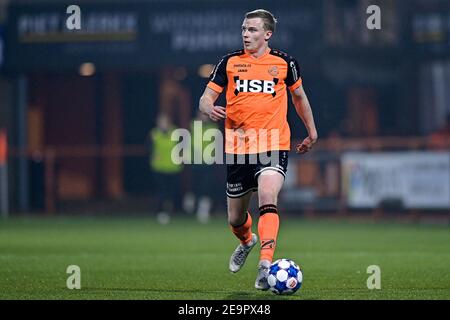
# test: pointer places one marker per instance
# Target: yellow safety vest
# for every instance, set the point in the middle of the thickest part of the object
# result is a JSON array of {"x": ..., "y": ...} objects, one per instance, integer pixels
[{"x": 161, "y": 155}]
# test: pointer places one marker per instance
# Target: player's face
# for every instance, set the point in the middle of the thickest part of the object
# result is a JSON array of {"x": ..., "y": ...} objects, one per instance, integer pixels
[{"x": 253, "y": 34}]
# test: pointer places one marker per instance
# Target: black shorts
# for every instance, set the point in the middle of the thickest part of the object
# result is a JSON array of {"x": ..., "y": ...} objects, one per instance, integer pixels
[{"x": 243, "y": 170}]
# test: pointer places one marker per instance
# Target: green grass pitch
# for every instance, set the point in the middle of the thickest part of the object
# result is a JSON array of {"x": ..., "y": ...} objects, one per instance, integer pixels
[{"x": 136, "y": 258}]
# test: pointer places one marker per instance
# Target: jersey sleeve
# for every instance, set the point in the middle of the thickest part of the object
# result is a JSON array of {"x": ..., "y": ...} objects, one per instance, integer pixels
[
  {"x": 218, "y": 78},
  {"x": 293, "y": 79}
]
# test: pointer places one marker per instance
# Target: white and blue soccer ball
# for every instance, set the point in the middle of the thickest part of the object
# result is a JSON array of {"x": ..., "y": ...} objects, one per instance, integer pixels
[{"x": 285, "y": 277}]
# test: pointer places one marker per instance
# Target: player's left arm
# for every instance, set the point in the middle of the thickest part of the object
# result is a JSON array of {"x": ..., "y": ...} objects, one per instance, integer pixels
[{"x": 303, "y": 108}]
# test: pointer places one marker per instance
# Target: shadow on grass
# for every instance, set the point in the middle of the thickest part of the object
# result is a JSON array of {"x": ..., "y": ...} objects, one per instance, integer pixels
[
  {"x": 225, "y": 294},
  {"x": 266, "y": 295},
  {"x": 154, "y": 290}
]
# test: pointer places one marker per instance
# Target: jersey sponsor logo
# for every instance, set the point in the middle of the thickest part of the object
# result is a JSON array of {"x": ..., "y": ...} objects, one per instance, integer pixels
[
  {"x": 246, "y": 85},
  {"x": 242, "y": 65}
]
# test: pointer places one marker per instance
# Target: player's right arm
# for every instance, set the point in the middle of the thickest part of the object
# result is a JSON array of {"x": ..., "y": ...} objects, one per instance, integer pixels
[
  {"x": 217, "y": 81},
  {"x": 206, "y": 105}
]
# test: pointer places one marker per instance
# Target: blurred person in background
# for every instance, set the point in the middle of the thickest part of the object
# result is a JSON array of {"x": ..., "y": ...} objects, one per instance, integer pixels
[
  {"x": 201, "y": 200},
  {"x": 256, "y": 79},
  {"x": 166, "y": 174}
]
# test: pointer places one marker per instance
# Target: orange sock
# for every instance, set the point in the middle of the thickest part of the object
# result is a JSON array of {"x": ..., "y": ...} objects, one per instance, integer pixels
[
  {"x": 268, "y": 230},
  {"x": 244, "y": 231}
]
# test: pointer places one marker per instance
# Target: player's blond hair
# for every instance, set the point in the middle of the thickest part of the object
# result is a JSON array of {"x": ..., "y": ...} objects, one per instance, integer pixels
[{"x": 268, "y": 18}]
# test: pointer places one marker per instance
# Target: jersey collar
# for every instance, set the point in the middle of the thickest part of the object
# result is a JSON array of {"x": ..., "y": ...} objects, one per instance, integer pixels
[{"x": 259, "y": 58}]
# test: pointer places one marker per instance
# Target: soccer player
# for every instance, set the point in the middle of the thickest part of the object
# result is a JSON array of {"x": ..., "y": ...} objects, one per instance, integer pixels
[{"x": 256, "y": 79}]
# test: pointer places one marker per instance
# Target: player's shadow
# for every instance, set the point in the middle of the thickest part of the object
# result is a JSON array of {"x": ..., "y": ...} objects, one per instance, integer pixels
[
  {"x": 154, "y": 290},
  {"x": 237, "y": 295},
  {"x": 244, "y": 295}
]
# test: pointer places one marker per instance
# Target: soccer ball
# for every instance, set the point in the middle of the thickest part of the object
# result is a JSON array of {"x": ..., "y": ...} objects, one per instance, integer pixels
[{"x": 285, "y": 277}]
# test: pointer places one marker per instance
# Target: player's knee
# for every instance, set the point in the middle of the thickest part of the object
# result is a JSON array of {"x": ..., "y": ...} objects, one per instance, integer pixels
[
  {"x": 236, "y": 218},
  {"x": 267, "y": 195},
  {"x": 267, "y": 189}
]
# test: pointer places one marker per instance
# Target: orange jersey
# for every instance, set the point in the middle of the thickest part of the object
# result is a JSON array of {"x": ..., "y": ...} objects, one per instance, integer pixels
[{"x": 256, "y": 99}]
